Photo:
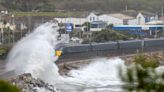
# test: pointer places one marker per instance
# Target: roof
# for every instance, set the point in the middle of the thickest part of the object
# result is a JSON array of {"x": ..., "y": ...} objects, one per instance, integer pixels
[
  {"x": 121, "y": 16},
  {"x": 157, "y": 22},
  {"x": 147, "y": 14},
  {"x": 137, "y": 27},
  {"x": 131, "y": 13},
  {"x": 134, "y": 13},
  {"x": 97, "y": 13},
  {"x": 2, "y": 8},
  {"x": 98, "y": 22}
]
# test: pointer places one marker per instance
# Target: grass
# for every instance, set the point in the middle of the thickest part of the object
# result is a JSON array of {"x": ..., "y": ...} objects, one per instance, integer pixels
[{"x": 48, "y": 14}]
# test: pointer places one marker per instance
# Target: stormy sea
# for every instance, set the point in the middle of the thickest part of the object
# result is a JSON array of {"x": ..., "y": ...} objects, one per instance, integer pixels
[{"x": 34, "y": 54}]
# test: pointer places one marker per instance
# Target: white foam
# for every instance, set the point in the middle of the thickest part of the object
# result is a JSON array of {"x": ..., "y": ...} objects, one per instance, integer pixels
[
  {"x": 35, "y": 54},
  {"x": 101, "y": 69}
]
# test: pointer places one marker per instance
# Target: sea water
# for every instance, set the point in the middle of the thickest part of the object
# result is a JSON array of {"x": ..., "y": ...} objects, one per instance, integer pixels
[{"x": 35, "y": 54}]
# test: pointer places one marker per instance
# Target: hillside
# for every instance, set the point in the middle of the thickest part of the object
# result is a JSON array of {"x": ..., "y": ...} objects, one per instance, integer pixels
[{"x": 83, "y": 5}]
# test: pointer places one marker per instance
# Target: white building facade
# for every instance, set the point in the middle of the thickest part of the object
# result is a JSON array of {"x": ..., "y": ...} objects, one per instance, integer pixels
[
  {"x": 143, "y": 19},
  {"x": 75, "y": 21},
  {"x": 115, "y": 19},
  {"x": 110, "y": 19},
  {"x": 92, "y": 17}
]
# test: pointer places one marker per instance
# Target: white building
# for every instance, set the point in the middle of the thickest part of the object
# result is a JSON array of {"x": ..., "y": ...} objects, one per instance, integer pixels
[
  {"x": 143, "y": 18},
  {"x": 77, "y": 22},
  {"x": 92, "y": 17},
  {"x": 123, "y": 18},
  {"x": 3, "y": 9},
  {"x": 117, "y": 19}
]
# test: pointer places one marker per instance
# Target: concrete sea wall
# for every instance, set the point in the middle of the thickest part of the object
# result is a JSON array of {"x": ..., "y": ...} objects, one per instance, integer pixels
[{"x": 86, "y": 51}]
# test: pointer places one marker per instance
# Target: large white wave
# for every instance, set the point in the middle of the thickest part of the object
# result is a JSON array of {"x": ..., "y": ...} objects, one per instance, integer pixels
[{"x": 35, "y": 54}]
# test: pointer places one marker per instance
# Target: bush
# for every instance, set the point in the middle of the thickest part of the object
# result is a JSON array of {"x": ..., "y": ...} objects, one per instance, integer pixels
[
  {"x": 147, "y": 61},
  {"x": 7, "y": 87},
  {"x": 108, "y": 35},
  {"x": 138, "y": 79},
  {"x": 142, "y": 76}
]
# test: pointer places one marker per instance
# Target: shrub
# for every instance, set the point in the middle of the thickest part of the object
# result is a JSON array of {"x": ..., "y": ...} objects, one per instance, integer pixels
[
  {"x": 7, "y": 87},
  {"x": 147, "y": 61},
  {"x": 142, "y": 76}
]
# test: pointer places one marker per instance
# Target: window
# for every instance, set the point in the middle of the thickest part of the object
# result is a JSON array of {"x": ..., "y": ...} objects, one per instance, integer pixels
[
  {"x": 94, "y": 25},
  {"x": 93, "y": 18},
  {"x": 90, "y": 19}
]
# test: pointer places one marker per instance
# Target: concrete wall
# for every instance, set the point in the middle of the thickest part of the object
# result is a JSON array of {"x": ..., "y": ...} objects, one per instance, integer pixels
[
  {"x": 111, "y": 20},
  {"x": 132, "y": 22},
  {"x": 136, "y": 44},
  {"x": 77, "y": 48},
  {"x": 84, "y": 51}
]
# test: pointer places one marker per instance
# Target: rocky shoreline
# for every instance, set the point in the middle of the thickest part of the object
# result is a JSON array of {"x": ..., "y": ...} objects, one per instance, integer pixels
[
  {"x": 65, "y": 67},
  {"x": 26, "y": 83}
]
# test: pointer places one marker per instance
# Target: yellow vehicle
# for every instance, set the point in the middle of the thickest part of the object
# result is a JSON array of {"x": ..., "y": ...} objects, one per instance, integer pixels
[
  {"x": 58, "y": 53},
  {"x": 58, "y": 49}
]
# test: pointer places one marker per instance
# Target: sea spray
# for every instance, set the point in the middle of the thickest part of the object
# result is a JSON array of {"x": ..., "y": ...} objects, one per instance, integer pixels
[
  {"x": 35, "y": 54},
  {"x": 102, "y": 70},
  {"x": 101, "y": 75}
]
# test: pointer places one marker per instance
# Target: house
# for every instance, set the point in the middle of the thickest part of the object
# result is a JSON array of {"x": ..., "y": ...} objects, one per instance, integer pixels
[
  {"x": 3, "y": 9},
  {"x": 141, "y": 17},
  {"x": 7, "y": 25},
  {"x": 116, "y": 19},
  {"x": 75, "y": 21},
  {"x": 92, "y": 17},
  {"x": 130, "y": 17},
  {"x": 78, "y": 21}
]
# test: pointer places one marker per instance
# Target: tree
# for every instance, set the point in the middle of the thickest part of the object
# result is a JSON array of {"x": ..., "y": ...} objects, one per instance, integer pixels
[{"x": 87, "y": 26}]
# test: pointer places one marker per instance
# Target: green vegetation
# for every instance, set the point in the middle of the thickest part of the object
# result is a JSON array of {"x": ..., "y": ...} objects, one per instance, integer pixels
[
  {"x": 108, "y": 35},
  {"x": 83, "y": 5},
  {"x": 7, "y": 87},
  {"x": 147, "y": 61},
  {"x": 87, "y": 26},
  {"x": 3, "y": 50},
  {"x": 142, "y": 76},
  {"x": 49, "y": 14}
]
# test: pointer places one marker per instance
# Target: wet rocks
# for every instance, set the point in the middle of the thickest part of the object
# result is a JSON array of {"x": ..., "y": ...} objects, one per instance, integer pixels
[
  {"x": 26, "y": 83},
  {"x": 65, "y": 67}
]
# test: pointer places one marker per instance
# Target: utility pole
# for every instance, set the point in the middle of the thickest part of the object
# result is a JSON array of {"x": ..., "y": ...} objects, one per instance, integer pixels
[
  {"x": 162, "y": 16},
  {"x": 29, "y": 23},
  {"x": 162, "y": 13},
  {"x": 126, "y": 5},
  {"x": 29, "y": 19}
]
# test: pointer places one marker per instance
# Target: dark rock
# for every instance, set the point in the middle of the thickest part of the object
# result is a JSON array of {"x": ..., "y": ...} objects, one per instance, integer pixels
[{"x": 29, "y": 84}]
